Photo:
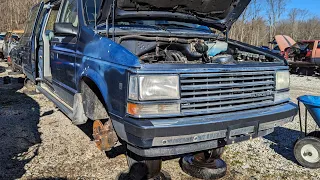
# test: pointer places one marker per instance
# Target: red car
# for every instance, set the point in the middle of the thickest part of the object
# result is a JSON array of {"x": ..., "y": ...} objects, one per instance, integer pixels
[{"x": 303, "y": 56}]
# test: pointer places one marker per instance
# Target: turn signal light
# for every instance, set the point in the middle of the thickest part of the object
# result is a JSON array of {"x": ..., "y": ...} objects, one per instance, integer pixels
[{"x": 152, "y": 109}]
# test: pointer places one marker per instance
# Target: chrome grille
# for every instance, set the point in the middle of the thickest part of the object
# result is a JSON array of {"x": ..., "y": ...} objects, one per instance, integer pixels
[{"x": 223, "y": 92}]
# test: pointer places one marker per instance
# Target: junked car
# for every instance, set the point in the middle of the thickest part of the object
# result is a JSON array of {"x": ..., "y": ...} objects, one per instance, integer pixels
[
  {"x": 11, "y": 40},
  {"x": 2, "y": 36},
  {"x": 14, "y": 60},
  {"x": 154, "y": 78},
  {"x": 303, "y": 56}
]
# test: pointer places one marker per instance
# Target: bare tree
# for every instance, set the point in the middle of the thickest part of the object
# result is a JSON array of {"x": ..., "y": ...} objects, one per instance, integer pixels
[
  {"x": 14, "y": 13},
  {"x": 276, "y": 8}
]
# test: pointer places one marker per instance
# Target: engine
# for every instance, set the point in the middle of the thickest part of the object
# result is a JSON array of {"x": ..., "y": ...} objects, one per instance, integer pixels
[{"x": 192, "y": 51}]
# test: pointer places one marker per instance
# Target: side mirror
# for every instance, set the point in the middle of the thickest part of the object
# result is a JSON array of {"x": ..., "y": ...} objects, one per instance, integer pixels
[{"x": 65, "y": 29}]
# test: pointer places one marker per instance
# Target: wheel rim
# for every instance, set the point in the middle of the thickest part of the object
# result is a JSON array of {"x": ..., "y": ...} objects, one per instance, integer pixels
[{"x": 310, "y": 153}]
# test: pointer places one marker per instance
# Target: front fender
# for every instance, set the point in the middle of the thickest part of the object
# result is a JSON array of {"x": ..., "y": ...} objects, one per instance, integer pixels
[
  {"x": 98, "y": 81},
  {"x": 102, "y": 48},
  {"x": 111, "y": 79}
]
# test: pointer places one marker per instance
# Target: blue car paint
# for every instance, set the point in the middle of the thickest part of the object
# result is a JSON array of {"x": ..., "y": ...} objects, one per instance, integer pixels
[{"x": 105, "y": 65}]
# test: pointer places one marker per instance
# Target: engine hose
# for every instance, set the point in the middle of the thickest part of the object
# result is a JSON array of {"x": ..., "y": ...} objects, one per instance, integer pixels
[{"x": 176, "y": 58}]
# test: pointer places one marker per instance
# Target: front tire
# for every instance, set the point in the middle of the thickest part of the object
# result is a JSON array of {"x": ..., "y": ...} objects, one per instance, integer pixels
[
  {"x": 142, "y": 168},
  {"x": 307, "y": 152},
  {"x": 215, "y": 169}
]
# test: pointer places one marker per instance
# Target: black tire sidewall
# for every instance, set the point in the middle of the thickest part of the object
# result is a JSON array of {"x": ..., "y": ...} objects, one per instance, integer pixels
[
  {"x": 216, "y": 153},
  {"x": 314, "y": 134},
  {"x": 202, "y": 172},
  {"x": 297, "y": 151}
]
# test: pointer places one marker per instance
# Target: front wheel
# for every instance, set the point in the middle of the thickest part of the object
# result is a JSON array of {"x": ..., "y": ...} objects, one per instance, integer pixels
[
  {"x": 142, "y": 168},
  {"x": 307, "y": 152}
]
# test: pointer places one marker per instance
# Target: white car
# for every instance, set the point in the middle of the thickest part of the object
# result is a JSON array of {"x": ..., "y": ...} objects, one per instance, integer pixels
[{"x": 2, "y": 36}]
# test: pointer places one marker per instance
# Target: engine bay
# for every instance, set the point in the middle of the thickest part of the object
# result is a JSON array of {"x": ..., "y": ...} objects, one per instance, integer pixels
[{"x": 161, "y": 50}]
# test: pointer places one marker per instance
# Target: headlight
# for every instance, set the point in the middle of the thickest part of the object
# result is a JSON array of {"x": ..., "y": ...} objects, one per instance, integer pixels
[
  {"x": 150, "y": 87},
  {"x": 282, "y": 80}
]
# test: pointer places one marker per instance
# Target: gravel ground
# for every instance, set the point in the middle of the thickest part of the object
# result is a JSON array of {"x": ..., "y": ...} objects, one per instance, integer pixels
[{"x": 39, "y": 142}]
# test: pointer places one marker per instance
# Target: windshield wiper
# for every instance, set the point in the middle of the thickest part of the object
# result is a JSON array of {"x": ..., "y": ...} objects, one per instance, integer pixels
[{"x": 166, "y": 26}]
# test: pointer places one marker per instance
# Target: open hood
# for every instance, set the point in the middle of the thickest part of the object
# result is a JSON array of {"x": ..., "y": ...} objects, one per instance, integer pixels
[
  {"x": 219, "y": 14},
  {"x": 283, "y": 42}
]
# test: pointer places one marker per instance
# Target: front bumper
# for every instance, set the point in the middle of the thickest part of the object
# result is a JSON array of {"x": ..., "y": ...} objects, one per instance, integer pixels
[{"x": 174, "y": 136}]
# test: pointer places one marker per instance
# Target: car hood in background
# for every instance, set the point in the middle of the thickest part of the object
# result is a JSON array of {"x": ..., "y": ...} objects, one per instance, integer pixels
[
  {"x": 284, "y": 42},
  {"x": 218, "y": 14}
]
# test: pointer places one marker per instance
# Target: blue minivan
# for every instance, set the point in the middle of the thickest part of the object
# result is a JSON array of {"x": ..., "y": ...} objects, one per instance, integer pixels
[{"x": 160, "y": 78}]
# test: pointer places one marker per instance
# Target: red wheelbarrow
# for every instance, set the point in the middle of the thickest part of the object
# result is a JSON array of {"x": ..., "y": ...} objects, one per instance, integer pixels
[{"x": 307, "y": 148}]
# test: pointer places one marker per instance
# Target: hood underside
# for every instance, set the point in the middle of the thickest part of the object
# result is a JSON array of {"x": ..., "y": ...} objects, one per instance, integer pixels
[{"x": 219, "y": 14}]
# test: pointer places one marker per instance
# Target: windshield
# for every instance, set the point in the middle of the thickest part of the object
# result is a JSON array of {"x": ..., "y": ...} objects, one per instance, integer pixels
[
  {"x": 90, "y": 11},
  {"x": 163, "y": 24},
  {"x": 2, "y": 37}
]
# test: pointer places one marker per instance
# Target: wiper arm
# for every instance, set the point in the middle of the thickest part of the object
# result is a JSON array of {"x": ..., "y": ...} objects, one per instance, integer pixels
[{"x": 173, "y": 25}]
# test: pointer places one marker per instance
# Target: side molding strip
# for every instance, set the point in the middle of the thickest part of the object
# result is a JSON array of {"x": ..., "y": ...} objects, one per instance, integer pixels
[{"x": 56, "y": 100}]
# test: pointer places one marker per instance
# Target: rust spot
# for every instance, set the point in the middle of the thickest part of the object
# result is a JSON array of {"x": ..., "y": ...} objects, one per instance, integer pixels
[{"x": 104, "y": 135}]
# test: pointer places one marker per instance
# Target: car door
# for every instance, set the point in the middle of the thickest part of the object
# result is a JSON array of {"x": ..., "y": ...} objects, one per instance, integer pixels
[
  {"x": 39, "y": 39},
  {"x": 28, "y": 43},
  {"x": 63, "y": 54}
]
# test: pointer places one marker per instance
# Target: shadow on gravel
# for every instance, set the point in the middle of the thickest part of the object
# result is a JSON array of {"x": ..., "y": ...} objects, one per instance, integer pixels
[
  {"x": 283, "y": 141},
  {"x": 19, "y": 142}
]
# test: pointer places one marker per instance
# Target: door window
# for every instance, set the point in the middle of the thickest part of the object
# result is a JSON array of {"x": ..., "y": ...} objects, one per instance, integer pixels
[
  {"x": 91, "y": 7},
  {"x": 69, "y": 13},
  {"x": 52, "y": 19},
  {"x": 42, "y": 16},
  {"x": 31, "y": 20}
]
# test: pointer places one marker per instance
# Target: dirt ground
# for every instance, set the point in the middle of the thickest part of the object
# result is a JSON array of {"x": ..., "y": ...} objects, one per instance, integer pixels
[{"x": 39, "y": 142}]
